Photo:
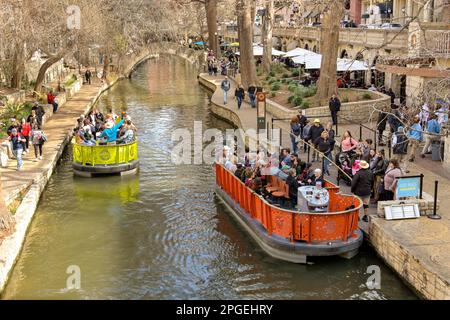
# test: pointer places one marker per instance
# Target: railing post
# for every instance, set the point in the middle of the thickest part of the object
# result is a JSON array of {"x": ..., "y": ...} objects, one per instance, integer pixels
[
  {"x": 435, "y": 216},
  {"x": 421, "y": 185},
  {"x": 337, "y": 119},
  {"x": 360, "y": 132},
  {"x": 375, "y": 140},
  {"x": 309, "y": 152}
]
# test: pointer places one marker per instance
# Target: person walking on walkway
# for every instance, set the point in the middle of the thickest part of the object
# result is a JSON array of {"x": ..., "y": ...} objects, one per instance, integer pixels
[
  {"x": 17, "y": 146},
  {"x": 323, "y": 144},
  {"x": 25, "y": 130},
  {"x": 415, "y": 137},
  {"x": 225, "y": 85},
  {"x": 348, "y": 144},
  {"x": 381, "y": 125},
  {"x": 88, "y": 76},
  {"x": 40, "y": 112},
  {"x": 315, "y": 132},
  {"x": 252, "y": 95},
  {"x": 335, "y": 107},
  {"x": 38, "y": 139},
  {"x": 362, "y": 186},
  {"x": 239, "y": 93},
  {"x": 295, "y": 134},
  {"x": 432, "y": 134},
  {"x": 400, "y": 148},
  {"x": 393, "y": 171}
]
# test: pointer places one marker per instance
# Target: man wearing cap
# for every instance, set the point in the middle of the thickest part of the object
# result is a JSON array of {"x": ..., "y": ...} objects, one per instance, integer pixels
[
  {"x": 362, "y": 186},
  {"x": 17, "y": 146},
  {"x": 315, "y": 132}
]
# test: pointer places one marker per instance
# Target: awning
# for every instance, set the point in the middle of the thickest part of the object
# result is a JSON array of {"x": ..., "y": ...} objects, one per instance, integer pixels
[
  {"x": 299, "y": 52},
  {"x": 258, "y": 51}
]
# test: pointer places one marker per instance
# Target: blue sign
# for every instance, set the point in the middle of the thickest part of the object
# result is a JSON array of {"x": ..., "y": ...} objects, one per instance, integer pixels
[{"x": 408, "y": 187}]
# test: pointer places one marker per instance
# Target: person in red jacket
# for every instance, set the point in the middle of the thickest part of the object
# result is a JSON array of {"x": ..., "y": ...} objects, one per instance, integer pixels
[
  {"x": 25, "y": 129},
  {"x": 51, "y": 100}
]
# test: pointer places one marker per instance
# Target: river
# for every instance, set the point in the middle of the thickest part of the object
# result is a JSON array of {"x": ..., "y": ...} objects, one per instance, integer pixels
[{"x": 163, "y": 234}]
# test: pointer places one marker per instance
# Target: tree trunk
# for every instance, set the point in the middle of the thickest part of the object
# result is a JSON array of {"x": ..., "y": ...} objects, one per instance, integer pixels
[
  {"x": 211, "y": 20},
  {"x": 43, "y": 69},
  {"x": 105, "y": 66},
  {"x": 19, "y": 67},
  {"x": 329, "y": 42},
  {"x": 248, "y": 68},
  {"x": 267, "y": 36}
]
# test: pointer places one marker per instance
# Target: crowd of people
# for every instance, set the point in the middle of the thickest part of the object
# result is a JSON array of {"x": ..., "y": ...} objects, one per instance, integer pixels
[
  {"x": 99, "y": 129},
  {"x": 255, "y": 169},
  {"x": 27, "y": 132}
]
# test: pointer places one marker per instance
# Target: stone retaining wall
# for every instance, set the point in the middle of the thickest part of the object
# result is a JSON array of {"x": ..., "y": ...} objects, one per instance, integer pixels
[{"x": 419, "y": 276}]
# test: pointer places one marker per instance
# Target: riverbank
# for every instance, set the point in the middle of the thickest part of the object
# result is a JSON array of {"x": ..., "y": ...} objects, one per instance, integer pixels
[
  {"x": 22, "y": 190},
  {"x": 417, "y": 250},
  {"x": 26, "y": 186}
]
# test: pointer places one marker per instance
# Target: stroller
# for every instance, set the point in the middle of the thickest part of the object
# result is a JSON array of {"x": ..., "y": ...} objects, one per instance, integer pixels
[{"x": 345, "y": 163}]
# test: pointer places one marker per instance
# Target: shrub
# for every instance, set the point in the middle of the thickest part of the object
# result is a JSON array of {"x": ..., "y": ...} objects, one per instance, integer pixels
[
  {"x": 297, "y": 101},
  {"x": 277, "y": 68},
  {"x": 272, "y": 73},
  {"x": 292, "y": 87},
  {"x": 273, "y": 94},
  {"x": 272, "y": 80},
  {"x": 285, "y": 75},
  {"x": 305, "y": 92},
  {"x": 276, "y": 86},
  {"x": 345, "y": 99},
  {"x": 305, "y": 105},
  {"x": 290, "y": 99},
  {"x": 268, "y": 78},
  {"x": 366, "y": 96},
  {"x": 295, "y": 73}
]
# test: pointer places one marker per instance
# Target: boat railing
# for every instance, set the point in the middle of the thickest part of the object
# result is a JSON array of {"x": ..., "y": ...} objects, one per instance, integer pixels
[
  {"x": 104, "y": 155},
  {"x": 339, "y": 224}
]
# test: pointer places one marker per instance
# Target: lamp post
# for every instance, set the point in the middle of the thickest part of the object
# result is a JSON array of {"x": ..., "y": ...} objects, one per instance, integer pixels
[{"x": 404, "y": 15}]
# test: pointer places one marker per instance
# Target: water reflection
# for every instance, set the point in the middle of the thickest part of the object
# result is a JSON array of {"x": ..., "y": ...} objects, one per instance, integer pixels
[{"x": 163, "y": 234}]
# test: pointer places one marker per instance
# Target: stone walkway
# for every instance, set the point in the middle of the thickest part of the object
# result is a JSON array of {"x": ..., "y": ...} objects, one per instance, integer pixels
[
  {"x": 15, "y": 182},
  {"x": 418, "y": 249}
]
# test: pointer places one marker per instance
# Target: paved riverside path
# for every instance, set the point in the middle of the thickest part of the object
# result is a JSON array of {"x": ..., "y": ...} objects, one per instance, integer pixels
[
  {"x": 420, "y": 247},
  {"x": 56, "y": 128}
]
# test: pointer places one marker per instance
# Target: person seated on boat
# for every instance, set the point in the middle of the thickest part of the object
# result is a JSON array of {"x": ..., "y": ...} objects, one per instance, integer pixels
[
  {"x": 231, "y": 164},
  {"x": 239, "y": 170},
  {"x": 128, "y": 136},
  {"x": 275, "y": 170},
  {"x": 286, "y": 157},
  {"x": 248, "y": 176},
  {"x": 317, "y": 177},
  {"x": 84, "y": 137},
  {"x": 306, "y": 173},
  {"x": 110, "y": 131},
  {"x": 291, "y": 181},
  {"x": 257, "y": 186}
]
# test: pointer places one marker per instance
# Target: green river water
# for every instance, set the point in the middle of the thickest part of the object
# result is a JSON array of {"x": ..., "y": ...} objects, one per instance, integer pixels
[{"x": 163, "y": 234}]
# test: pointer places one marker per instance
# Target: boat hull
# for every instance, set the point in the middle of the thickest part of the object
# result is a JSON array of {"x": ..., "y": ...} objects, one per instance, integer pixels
[
  {"x": 104, "y": 170},
  {"x": 281, "y": 248}
]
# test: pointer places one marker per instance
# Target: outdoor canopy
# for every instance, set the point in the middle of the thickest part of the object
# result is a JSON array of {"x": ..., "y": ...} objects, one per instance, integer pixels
[{"x": 258, "y": 51}]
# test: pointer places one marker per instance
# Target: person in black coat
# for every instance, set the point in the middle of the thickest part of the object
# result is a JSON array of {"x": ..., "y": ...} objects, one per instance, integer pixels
[
  {"x": 381, "y": 126},
  {"x": 335, "y": 107},
  {"x": 292, "y": 182},
  {"x": 362, "y": 186},
  {"x": 240, "y": 95},
  {"x": 314, "y": 133}
]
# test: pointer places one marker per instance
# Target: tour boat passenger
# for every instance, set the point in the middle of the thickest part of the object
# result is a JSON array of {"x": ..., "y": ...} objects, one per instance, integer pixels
[
  {"x": 128, "y": 136},
  {"x": 110, "y": 132}
]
